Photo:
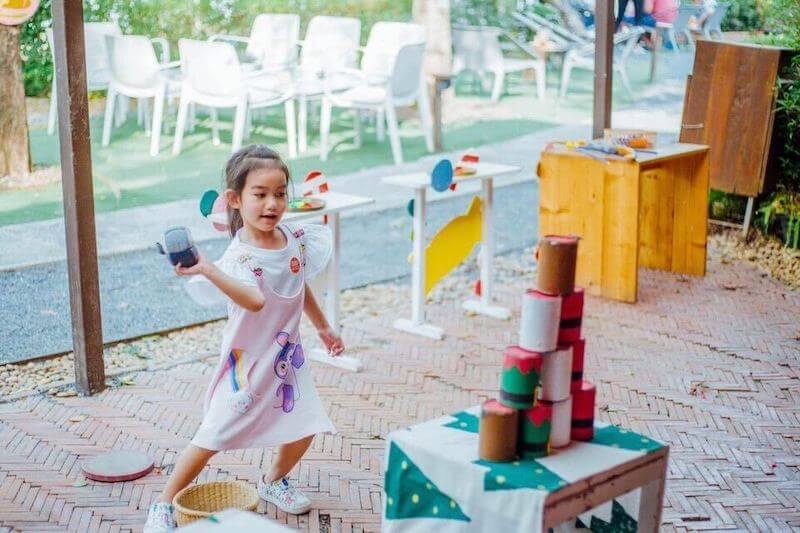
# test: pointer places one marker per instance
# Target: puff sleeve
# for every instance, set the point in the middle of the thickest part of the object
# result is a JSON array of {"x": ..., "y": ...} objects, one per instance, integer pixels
[
  {"x": 317, "y": 241},
  {"x": 205, "y": 293}
]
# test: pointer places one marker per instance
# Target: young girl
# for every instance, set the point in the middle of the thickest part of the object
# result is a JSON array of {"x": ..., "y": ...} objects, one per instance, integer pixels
[{"x": 262, "y": 392}]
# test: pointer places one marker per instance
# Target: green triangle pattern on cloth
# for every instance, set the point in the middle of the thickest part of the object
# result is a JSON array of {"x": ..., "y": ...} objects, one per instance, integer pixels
[
  {"x": 624, "y": 438},
  {"x": 522, "y": 474},
  {"x": 410, "y": 494},
  {"x": 464, "y": 421},
  {"x": 621, "y": 521}
]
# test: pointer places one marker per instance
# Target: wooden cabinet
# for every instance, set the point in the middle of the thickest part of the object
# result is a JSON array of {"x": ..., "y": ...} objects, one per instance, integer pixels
[
  {"x": 730, "y": 106},
  {"x": 651, "y": 212}
]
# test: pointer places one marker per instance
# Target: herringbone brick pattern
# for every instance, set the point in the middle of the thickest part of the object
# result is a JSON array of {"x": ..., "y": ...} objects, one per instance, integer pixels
[{"x": 708, "y": 365}]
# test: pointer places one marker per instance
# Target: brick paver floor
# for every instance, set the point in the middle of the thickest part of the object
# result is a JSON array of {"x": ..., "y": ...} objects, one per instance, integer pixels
[{"x": 708, "y": 365}]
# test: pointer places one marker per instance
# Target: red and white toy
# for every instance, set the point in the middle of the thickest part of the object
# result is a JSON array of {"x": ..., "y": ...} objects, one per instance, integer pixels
[
  {"x": 315, "y": 183},
  {"x": 468, "y": 164}
]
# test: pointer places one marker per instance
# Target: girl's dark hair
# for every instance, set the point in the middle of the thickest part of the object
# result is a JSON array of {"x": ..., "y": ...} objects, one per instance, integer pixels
[{"x": 239, "y": 165}]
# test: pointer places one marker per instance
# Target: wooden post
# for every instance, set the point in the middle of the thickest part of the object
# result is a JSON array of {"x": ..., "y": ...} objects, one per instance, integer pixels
[
  {"x": 76, "y": 170},
  {"x": 603, "y": 65}
]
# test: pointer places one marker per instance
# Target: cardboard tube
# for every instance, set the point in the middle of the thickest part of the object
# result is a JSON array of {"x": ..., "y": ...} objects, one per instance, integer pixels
[
  {"x": 583, "y": 401},
  {"x": 520, "y": 377},
  {"x": 561, "y": 424},
  {"x": 497, "y": 437},
  {"x": 571, "y": 317},
  {"x": 578, "y": 349},
  {"x": 556, "y": 374},
  {"x": 534, "y": 437},
  {"x": 557, "y": 256},
  {"x": 538, "y": 325}
]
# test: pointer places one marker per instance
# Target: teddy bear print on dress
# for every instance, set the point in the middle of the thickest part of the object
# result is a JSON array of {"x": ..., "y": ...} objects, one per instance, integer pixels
[{"x": 290, "y": 357}]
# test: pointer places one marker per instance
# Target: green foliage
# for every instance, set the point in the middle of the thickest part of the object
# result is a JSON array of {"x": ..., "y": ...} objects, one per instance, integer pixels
[
  {"x": 787, "y": 122},
  {"x": 481, "y": 12},
  {"x": 724, "y": 206},
  {"x": 782, "y": 19},
  {"x": 783, "y": 204},
  {"x": 199, "y": 19},
  {"x": 743, "y": 15}
]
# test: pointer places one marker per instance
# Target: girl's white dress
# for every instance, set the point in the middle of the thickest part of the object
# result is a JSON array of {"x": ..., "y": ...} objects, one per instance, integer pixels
[{"x": 262, "y": 392}]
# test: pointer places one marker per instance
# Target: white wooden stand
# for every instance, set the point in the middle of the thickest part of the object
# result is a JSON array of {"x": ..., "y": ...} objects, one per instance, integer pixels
[{"x": 420, "y": 183}]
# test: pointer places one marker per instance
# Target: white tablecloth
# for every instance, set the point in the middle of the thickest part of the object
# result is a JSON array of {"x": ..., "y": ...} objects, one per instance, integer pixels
[{"x": 435, "y": 482}]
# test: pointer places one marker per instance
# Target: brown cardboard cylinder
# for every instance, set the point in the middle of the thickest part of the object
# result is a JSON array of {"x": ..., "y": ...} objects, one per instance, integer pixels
[
  {"x": 497, "y": 438},
  {"x": 557, "y": 256}
]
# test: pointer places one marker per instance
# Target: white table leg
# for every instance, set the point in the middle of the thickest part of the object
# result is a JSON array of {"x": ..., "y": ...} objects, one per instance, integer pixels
[
  {"x": 417, "y": 323},
  {"x": 302, "y": 124},
  {"x": 484, "y": 305},
  {"x": 332, "y": 301},
  {"x": 651, "y": 501}
]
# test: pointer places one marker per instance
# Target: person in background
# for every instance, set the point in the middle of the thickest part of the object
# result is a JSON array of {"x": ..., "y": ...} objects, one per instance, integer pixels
[{"x": 638, "y": 11}]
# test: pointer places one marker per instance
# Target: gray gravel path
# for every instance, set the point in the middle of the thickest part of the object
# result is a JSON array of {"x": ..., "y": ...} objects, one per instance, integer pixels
[{"x": 140, "y": 293}]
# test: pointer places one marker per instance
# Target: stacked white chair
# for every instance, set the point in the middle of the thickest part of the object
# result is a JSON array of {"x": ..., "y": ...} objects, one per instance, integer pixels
[
  {"x": 391, "y": 76},
  {"x": 273, "y": 40},
  {"x": 583, "y": 58},
  {"x": 98, "y": 71},
  {"x": 214, "y": 78},
  {"x": 331, "y": 45},
  {"x": 137, "y": 73},
  {"x": 478, "y": 49}
]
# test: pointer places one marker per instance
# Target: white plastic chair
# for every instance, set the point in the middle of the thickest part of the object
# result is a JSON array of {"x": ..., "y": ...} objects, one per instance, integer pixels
[
  {"x": 98, "y": 72},
  {"x": 136, "y": 73},
  {"x": 390, "y": 77},
  {"x": 272, "y": 43},
  {"x": 713, "y": 23},
  {"x": 478, "y": 49},
  {"x": 213, "y": 77},
  {"x": 331, "y": 44},
  {"x": 583, "y": 58}
]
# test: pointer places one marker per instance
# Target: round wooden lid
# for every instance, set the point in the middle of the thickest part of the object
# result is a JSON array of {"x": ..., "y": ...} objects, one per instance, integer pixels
[{"x": 119, "y": 465}]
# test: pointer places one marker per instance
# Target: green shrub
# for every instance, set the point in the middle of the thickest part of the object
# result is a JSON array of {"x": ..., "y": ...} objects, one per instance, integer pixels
[
  {"x": 743, "y": 15},
  {"x": 198, "y": 19}
]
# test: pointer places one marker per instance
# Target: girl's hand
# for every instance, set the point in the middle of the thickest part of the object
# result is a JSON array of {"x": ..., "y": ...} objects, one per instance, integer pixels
[
  {"x": 332, "y": 341},
  {"x": 201, "y": 267}
]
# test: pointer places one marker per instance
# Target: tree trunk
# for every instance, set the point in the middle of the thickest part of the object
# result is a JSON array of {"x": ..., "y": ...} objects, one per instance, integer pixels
[
  {"x": 435, "y": 16},
  {"x": 15, "y": 155}
]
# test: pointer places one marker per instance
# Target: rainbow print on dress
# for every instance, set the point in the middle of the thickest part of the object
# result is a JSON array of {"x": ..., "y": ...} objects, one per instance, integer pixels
[{"x": 238, "y": 377}]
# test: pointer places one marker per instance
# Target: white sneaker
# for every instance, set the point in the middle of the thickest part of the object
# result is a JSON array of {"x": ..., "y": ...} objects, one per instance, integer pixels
[
  {"x": 286, "y": 497},
  {"x": 160, "y": 519}
]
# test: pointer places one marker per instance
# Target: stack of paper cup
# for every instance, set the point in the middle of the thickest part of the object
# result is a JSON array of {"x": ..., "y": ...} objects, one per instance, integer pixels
[
  {"x": 583, "y": 412},
  {"x": 557, "y": 256},
  {"x": 497, "y": 438},
  {"x": 520, "y": 377},
  {"x": 534, "y": 432},
  {"x": 556, "y": 374},
  {"x": 578, "y": 348},
  {"x": 541, "y": 315},
  {"x": 561, "y": 423},
  {"x": 571, "y": 316}
]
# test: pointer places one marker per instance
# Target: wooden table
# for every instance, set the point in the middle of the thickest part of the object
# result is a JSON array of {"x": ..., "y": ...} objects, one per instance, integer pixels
[
  {"x": 652, "y": 212},
  {"x": 335, "y": 204},
  {"x": 436, "y": 482},
  {"x": 419, "y": 182}
]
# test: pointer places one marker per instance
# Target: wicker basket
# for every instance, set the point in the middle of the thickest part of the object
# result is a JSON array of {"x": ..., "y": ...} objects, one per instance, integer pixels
[{"x": 200, "y": 501}]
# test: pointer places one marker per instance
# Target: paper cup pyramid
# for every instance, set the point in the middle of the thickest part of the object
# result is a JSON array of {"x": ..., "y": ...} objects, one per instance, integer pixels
[{"x": 544, "y": 402}]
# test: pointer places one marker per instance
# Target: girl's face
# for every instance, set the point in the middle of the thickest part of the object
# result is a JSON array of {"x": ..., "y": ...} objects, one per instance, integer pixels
[{"x": 262, "y": 202}]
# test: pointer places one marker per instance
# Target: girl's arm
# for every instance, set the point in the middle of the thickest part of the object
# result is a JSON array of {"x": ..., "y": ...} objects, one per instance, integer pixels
[
  {"x": 333, "y": 342},
  {"x": 245, "y": 296}
]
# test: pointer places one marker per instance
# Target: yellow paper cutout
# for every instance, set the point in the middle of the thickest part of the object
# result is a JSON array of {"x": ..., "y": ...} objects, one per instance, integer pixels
[{"x": 453, "y": 243}]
